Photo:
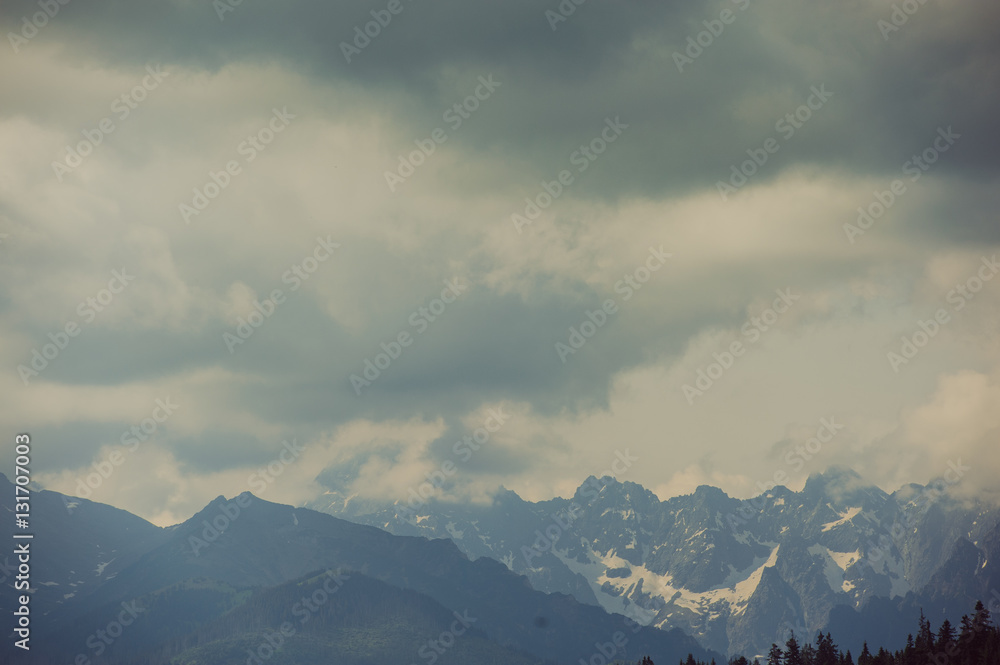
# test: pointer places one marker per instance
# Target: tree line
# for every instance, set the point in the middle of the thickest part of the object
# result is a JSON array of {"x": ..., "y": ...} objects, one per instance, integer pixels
[{"x": 976, "y": 641}]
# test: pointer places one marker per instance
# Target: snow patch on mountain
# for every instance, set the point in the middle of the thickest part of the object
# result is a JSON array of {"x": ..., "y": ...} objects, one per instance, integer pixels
[
  {"x": 453, "y": 531},
  {"x": 835, "y": 565},
  {"x": 845, "y": 517},
  {"x": 613, "y": 591},
  {"x": 893, "y": 568}
]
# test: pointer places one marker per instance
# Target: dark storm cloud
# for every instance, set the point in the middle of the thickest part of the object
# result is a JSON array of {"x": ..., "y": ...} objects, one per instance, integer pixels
[
  {"x": 458, "y": 445},
  {"x": 488, "y": 347},
  {"x": 84, "y": 440},
  {"x": 214, "y": 450},
  {"x": 615, "y": 59},
  {"x": 609, "y": 60},
  {"x": 965, "y": 216},
  {"x": 112, "y": 357}
]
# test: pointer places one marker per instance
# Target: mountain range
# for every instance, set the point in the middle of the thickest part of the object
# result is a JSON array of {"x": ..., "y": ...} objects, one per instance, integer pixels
[
  {"x": 839, "y": 555},
  {"x": 612, "y": 572},
  {"x": 233, "y": 583}
]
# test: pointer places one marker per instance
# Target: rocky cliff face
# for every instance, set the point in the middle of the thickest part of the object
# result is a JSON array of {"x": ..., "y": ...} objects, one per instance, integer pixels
[{"x": 737, "y": 575}]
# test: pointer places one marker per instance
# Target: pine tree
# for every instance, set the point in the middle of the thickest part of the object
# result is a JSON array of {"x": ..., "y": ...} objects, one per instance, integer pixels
[
  {"x": 826, "y": 650},
  {"x": 977, "y": 644},
  {"x": 991, "y": 647},
  {"x": 981, "y": 621},
  {"x": 793, "y": 655},
  {"x": 966, "y": 633},
  {"x": 945, "y": 636},
  {"x": 924, "y": 642},
  {"x": 982, "y": 626},
  {"x": 865, "y": 657},
  {"x": 808, "y": 654}
]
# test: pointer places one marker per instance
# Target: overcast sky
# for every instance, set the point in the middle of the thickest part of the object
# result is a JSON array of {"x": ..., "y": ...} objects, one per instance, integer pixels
[{"x": 328, "y": 154}]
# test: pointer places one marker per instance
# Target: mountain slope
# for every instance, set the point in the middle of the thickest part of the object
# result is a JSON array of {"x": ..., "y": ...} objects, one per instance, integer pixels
[
  {"x": 78, "y": 544},
  {"x": 697, "y": 562},
  {"x": 331, "y": 616},
  {"x": 361, "y": 621},
  {"x": 247, "y": 543}
]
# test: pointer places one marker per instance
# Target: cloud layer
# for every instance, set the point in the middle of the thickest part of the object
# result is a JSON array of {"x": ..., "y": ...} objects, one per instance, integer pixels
[{"x": 228, "y": 152}]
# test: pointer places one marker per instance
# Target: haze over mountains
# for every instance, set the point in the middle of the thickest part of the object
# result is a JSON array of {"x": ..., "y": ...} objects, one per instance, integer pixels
[
  {"x": 738, "y": 575},
  {"x": 327, "y": 251},
  {"x": 208, "y": 585},
  {"x": 523, "y": 582}
]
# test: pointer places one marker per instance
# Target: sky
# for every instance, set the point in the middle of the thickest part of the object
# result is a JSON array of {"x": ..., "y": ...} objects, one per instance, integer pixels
[{"x": 312, "y": 246}]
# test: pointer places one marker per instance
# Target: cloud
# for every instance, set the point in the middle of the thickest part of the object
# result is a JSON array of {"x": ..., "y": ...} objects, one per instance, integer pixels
[{"x": 322, "y": 178}]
